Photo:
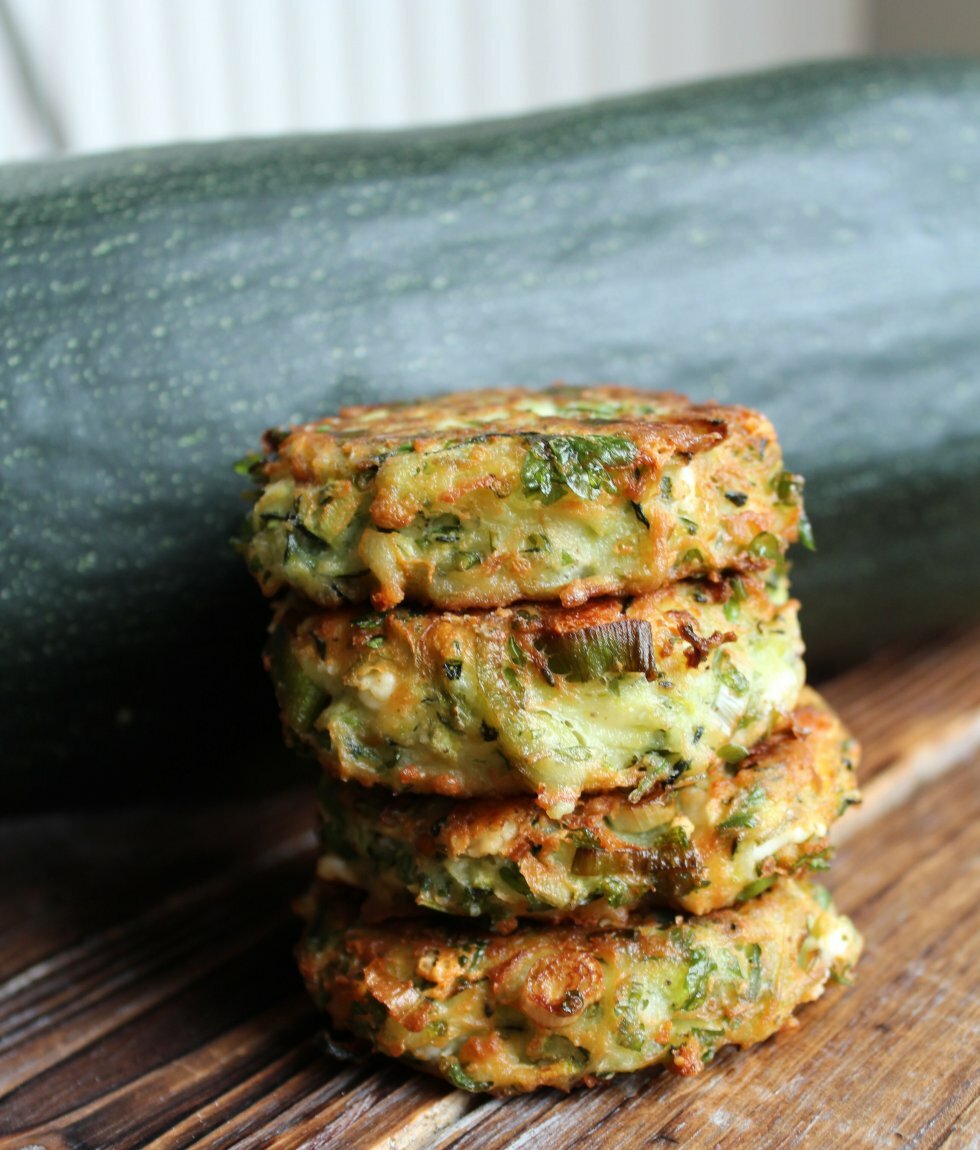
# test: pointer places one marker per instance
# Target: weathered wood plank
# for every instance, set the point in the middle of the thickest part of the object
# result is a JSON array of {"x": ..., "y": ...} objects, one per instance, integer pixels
[
  {"x": 964, "y": 1133},
  {"x": 150, "y": 997},
  {"x": 132, "y": 972},
  {"x": 908, "y": 697}
]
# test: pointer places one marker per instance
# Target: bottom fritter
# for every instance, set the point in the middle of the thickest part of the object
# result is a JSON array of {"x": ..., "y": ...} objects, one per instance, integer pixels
[
  {"x": 552, "y": 1005},
  {"x": 704, "y": 843}
]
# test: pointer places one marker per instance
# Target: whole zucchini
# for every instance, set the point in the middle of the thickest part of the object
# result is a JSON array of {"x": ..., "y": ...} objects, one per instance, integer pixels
[{"x": 803, "y": 241}]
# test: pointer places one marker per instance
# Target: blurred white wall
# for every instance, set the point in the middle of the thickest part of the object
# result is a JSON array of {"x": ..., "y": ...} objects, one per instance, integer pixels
[{"x": 89, "y": 75}]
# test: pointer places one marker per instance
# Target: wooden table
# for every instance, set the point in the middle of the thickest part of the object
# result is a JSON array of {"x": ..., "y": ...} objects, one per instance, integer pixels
[{"x": 150, "y": 998}]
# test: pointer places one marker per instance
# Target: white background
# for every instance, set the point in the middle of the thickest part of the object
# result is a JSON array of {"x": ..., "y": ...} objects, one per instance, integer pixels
[{"x": 112, "y": 73}]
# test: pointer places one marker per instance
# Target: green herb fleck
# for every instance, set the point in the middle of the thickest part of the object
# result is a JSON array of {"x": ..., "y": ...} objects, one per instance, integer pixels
[
  {"x": 615, "y": 891},
  {"x": 754, "y": 954},
  {"x": 745, "y": 809},
  {"x": 535, "y": 543},
  {"x": 442, "y": 529},
  {"x": 510, "y": 874},
  {"x": 303, "y": 547},
  {"x": 754, "y": 889},
  {"x": 765, "y": 546},
  {"x": 729, "y": 674},
  {"x": 558, "y": 1048},
  {"x": 458, "y": 1077},
  {"x": 733, "y": 605},
  {"x": 699, "y": 971},
  {"x": 630, "y": 1033},
  {"x": 583, "y": 837},
  {"x": 515, "y": 651},
  {"x": 465, "y": 560},
  {"x": 248, "y": 465},
  {"x": 788, "y": 487},
  {"x": 733, "y": 752},
  {"x": 365, "y": 476},
  {"x": 555, "y": 465}
]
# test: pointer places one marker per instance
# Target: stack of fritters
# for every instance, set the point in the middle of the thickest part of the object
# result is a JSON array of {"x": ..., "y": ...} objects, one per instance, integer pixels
[{"x": 543, "y": 647}]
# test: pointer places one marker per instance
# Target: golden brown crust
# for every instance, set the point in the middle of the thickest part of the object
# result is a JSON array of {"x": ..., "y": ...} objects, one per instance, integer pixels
[
  {"x": 540, "y": 699},
  {"x": 441, "y": 500},
  {"x": 568, "y": 1005},
  {"x": 696, "y": 846}
]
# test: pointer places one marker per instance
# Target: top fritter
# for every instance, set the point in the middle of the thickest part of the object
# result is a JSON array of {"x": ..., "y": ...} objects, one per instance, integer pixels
[{"x": 483, "y": 498}]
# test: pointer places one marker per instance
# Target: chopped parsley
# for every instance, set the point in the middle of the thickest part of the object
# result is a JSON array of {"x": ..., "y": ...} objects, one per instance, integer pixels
[
  {"x": 699, "y": 971},
  {"x": 745, "y": 809},
  {"x": 556, "y": 465}
]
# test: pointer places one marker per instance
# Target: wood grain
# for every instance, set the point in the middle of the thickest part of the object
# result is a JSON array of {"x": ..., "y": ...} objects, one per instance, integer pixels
[{"x": 149, "y": 996}]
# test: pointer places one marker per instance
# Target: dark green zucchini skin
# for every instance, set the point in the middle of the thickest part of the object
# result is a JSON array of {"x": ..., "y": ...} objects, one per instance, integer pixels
[{"x": 804, "y": 241}]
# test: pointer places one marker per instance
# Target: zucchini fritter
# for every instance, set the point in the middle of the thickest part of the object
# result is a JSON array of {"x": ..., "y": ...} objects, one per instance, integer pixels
[
  {"x": 698, "y": 845},
  {"x": 562, "y": 1005},
  {"x": 483, "y": 498},
  {"x": 555, "y": 701}
]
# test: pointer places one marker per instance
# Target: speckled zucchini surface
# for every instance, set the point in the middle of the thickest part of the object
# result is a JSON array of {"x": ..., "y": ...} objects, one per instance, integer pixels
[
  {"x": 698, "y": 845},
  {"x": 481, "y": 498},
  {"x": 541, "y": 699},
  {"x": 568, "y": 1005},
  {"x": 802, "y": 242}
]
